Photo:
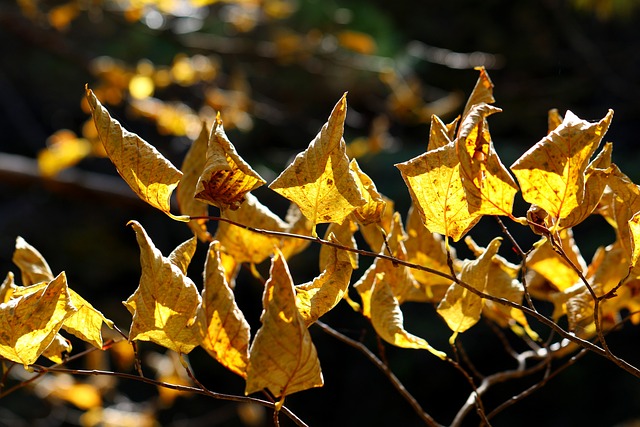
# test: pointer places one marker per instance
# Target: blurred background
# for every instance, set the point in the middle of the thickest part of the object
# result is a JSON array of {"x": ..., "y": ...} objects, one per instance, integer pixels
[{"x": 274, "y": 69}]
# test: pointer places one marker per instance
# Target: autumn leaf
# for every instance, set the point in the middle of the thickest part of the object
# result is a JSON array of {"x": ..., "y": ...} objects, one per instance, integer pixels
[
  {"x": 282, "y": 358},
  {"x": 489, "y": 187},
  {"x": 192, "y": 167},
  {"x": 149, "y": 174},
  {"x": 245, "y": 245},
  {"x": 341, "y": 233},
  {"x": 371, "y": 212},
  {"x": 439, "y": 133},
  {"x": 226, "y": 178},
  {"x": 482, "y": 92},
  {"x": 64, "y": 149},
  {"x": 319, "y": 180},
  {"x": 461, "y": 308},
  {"x": 375, "y": 234},
  {"x": 319, "y": 296},
  {"x": 296, "y": 224},
  {"x": 223, "y": 330},
  {"x": 387, "y": 319},
  {"x": 437, "y": 191},
  {"x": 165, "y": 304},
  {"x": 59, "y": 347},
  {"x": 33, "y": 266},
  {"x": 552, "y": 173},
  {"x": 30, "y": 322}
]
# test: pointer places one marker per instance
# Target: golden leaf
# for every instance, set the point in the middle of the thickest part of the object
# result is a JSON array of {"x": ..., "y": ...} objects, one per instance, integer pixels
[
  {"x": 387, "y": 319},
  {"x": 439, "y": 133},
  {"x": 364, "y": 286},
  {"x": 223, "y": 330},
  {"x": 438, "y": 193},
  {"x": 57, "y": 349},
  {"x": 282, "y": 358},
  {"x": 489, "y": 187},
  {"x": 371, "y": 211},
  {"x": 296, "y": 224},
  {"x": 461, "y": 308},
  {"x": 245, "y": 245},
  {"x": 149, "y": 174},
  {"x": 552, "y": 173},
  {"x": 64, "y": 149},
  {"x": 30, "y": 323},
  {"x": 554, "y": 120},
  {"x": 192, "y": 167},
  {"x": 374, "y": 234},
  {"x": 319, "y": 296},
  {"x": 342, "y": 233},
  {"x": 226, "y": 178},
  {"x": 85, "y": 323},
  {"x": 319, "y": 180},
  {"x": 165, "y": 304},
  {"x": 482, "y": 92}
]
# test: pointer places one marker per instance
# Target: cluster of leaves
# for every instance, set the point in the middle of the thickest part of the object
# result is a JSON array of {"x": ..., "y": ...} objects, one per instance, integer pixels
[{"x": 457, "y": 181}]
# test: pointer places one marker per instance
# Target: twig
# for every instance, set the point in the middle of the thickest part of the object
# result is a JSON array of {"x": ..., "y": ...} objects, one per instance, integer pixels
[{"x": 428, "y": 420}]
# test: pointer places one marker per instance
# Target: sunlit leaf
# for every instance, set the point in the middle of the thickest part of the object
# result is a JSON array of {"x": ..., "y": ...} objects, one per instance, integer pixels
[
  {"x": 296, "y": 224},
  {"x": 371, "y": 211},
  {"x": 165, "y": 304},
  {"x": 226, "y": 178},
  {"x": 192, "y": 167},
  {"x": 222, "y": 327},
  {"x": 149, "y": 174},
  {"x": 374, "y": 234},
  {"x": 30, "y": 323},
  {"x": 387, "y": 319},
  {"x": 343, "y": 234},
  {"x": 461, "y": 308},
  {"x": 32, "y": 264},
  {"x": 439, "y": 133},
  {"x": 482, "y": 92},
  {"x": 319, "y": 180},
  {"x": 59, "y": 347},
  {"x": 282, "y": 358},
  {"x": 552, "y": 173}
]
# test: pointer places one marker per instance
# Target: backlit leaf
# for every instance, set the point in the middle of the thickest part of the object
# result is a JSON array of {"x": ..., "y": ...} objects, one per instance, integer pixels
[
  {"x": 552, "y": 173},
  {"x": 32, "y": 264},
  {"x": 461, "y": 308},
  {"x": 192, "y": 167},
  {"x": 226, "y": 178},
  {"x": 439, "y": 133},
  {"x": 374, "y": 234},
  {"x": 149, "y": 174},
  {"x": 438, "y": 193},
  {"x": 388, "y": 321},
  {"x": 343, "y": 234},
  {"x": 57, "y": 349},
  {"x": 30, "y": 323},
  {"x": 165, "y": 304},
  {"x": 223, "y": 329},
  {"x": 319, "y": 180},
  {"x": 282, "y": 358},
  {"x": 371, "y": 211},
  {"x": 482, "y": 92}
]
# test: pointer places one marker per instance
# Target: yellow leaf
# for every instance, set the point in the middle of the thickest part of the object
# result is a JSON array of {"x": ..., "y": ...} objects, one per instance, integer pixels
[
  {"x": 86, "y": 322},
  {"x": 438, "y": 193},
  {"x": 439, "y": 133},
  {"x": 428, "y": 250},
  {"x": 387, "y": 319},
  {"x": 32, "y": 264},
  {"x": 223, "y": 330},
  {"x": 56, "y": 350},
  {"x": 552, "y": 173},
  {"x": 30, "y": 323},
  {"x": 482, "y": 92},
  {"x": 364, "y": 286},
  {"x": 554, "y": 120},
  {"x": 319, "y": 296},
  {"x": 192, "y": 167},
  {"x": 634, "y": 231},
  {"x": 282, "y": 358},
  {"x": 149, "y": 174},
  {"x": 374, "y": 234},
  {"x": 489, "y": 186},
  {"x": 342, "y": 233},
  {"x": 165, "y": 304},
  {"x": 64, "y": 149},
  {"x": 245, "y": 245},
  {"x": 226, "y": 178},
  {"x": 371, "y": 211},
  {"x": 319, "y": 180},
  {"x": 296, "y": 224},
  {"x": 461, "y": 308}
]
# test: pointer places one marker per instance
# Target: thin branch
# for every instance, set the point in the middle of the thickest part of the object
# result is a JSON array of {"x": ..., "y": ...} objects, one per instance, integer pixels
[{"x": 428, "y": 420}]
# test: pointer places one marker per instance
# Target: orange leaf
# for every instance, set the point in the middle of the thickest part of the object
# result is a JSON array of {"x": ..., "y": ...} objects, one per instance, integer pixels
[
  {"x": 149, "y": 174},
  {"x": 165, "y": 304},
  {"x": 226, "y": 178},
  {"x": 223, "y": 329},
  {"x": 319, "y": 180},
  {"x": 282, "y": 358},
  {"x": 552, "y": 173}
]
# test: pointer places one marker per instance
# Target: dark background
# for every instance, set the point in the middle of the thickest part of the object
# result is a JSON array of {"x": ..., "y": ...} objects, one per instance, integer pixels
[{"x": 581, "y": 56}]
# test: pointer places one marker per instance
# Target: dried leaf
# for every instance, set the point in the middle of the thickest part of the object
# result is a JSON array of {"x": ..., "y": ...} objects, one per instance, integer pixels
[
  {"x": 319, "y": 180},
  {"x": 192, "y": 168},
  {"x": 57, "y": 349},
  {"x": 461, "y": 308},
  {"x": 32, "y": 264},
  {"x": 374, "y": 234},
  {"x": 226, "y": 178},
  {"x": 552, "y": 173},
  {"x": 319, "y": 296},
  {"x": 223, "y": 329},
  {"x": 149, "y": 174},
  {"x": 439, "y": 133},
  {"x": 165, "y": 304},
  {"x": 438, "y": 193},
  {"x": 371, "y": 211},
  {"x": 282, "y": 358},
  {"x": 482, "y": 92},
  {"x": 387, "y": 319},
  {"x": 342, "y": 233},
  {"x": 30, "y": 323}
]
